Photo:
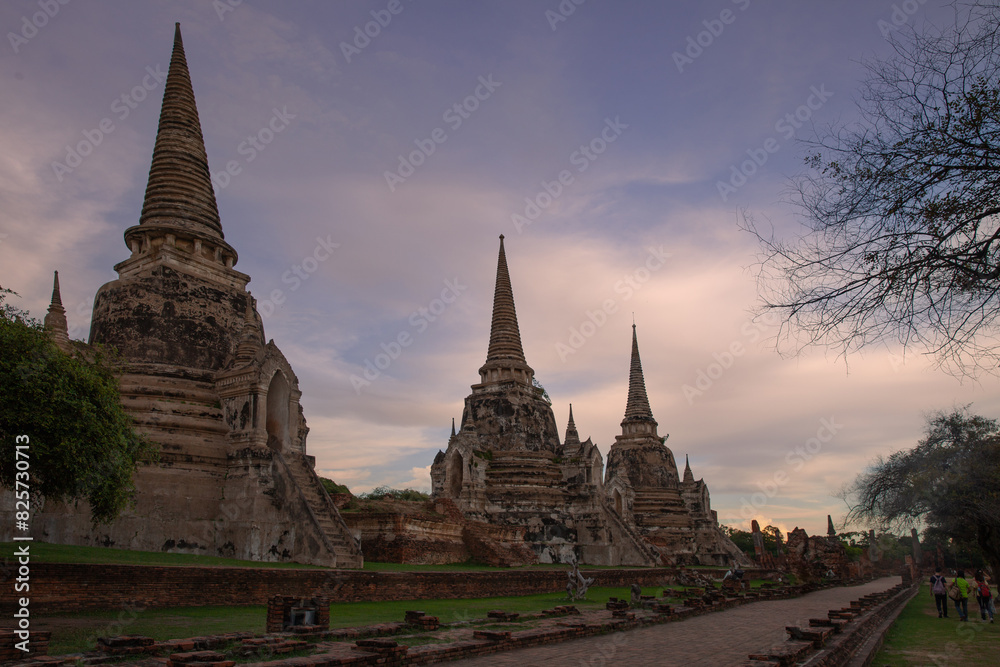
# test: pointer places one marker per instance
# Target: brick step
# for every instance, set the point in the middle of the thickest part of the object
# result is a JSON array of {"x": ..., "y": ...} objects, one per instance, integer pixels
[
  {"x": 173, "y": 407},
  {"x": 168, "y": 388},
  {"x": 184, "y": 423}
]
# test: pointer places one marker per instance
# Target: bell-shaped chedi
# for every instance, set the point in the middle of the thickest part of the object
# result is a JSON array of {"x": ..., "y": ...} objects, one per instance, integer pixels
[
  {"x": 506, "y": 467},
  {"x": 642, "y": 483},
  {"x": 639, "y": 458},
  {"x": 178, "y": 301},
  {"x": 505, "y": 411},
  {"x": 233, "y": 478}
]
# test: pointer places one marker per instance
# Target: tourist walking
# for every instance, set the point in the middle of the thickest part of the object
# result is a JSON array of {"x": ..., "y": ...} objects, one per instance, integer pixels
[
  {"x": 984, "y": 596},
  {"x": 939, "y": 589},
  {"x": 959, "y": 592}
]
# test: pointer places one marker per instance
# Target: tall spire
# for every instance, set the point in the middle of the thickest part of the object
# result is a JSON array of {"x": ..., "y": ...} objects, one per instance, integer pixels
[
  {"x": 55, "y": 320},
  {"x": 453, "y": 427},
  {"x": 505, "y": 357},
  {"x": 637, "y": 408},
  {"x": 251, "y": 338},
  {"x": 179, "y": 192},
  {"x": 688, "y": 475},
  {"x": 572, "y": 437},
  {"x": 505, "y": 337}
]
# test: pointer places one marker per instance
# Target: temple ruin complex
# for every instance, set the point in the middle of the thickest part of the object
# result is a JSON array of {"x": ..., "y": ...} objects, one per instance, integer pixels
[
  {"x": 506, "y": 466},
  {"x": 234, "y": 478}
]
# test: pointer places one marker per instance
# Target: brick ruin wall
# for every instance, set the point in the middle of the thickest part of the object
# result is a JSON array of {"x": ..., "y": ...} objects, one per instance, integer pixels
[{"x": 84, "y": 587}]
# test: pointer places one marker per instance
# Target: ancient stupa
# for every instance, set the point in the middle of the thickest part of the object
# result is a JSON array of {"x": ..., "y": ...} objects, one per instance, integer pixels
[
  {"x": 506, "y": 465},
  {"x": 233, "y": 478},
  {"x": 642, "y": 481}
]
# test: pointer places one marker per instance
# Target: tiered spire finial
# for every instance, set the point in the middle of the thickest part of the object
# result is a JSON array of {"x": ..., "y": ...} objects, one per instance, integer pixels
[
  {"x": 688, "y": 475},
  {"x": 505, "y": 336},
  {"x": 505, "y": 357},
  {"x": 572, "y": 436},
  {"x": 179, "y": 192},
  {"x": 56, "y": 294},
  {"x": 55, "y": 319},
  {"x": 453, "y": 427},
  {"x": 637, "y": 408},
  {"x": 251, "y": 339}
]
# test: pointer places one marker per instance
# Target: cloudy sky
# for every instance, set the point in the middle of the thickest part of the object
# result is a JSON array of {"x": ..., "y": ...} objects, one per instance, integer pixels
[{"x": 376, "y": 150}]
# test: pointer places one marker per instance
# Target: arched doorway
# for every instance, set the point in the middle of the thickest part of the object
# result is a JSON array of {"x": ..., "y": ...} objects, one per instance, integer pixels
[
  {"x": 456, "y": 471},
  {"x": 277, "y": 412},
  {"x": 618, "y": 502}
]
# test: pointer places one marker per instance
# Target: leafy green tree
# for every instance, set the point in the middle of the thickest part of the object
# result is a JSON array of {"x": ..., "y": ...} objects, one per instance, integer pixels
[
  {"x": 380, "y": 492},
  {"x": 332, "y": 487},
  {"x": 902, "y": 207},
  {"x": 743, "y": 539},
  {"x": 773, "y": 541},
  {"x": 950, "y": 481},
  {"x": 82, "y": 443}
]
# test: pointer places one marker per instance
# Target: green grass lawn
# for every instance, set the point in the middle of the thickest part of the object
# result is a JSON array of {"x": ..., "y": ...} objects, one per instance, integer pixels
[
  {"x": 919, "y": 637},
  {"x": 72, "y": 633}
]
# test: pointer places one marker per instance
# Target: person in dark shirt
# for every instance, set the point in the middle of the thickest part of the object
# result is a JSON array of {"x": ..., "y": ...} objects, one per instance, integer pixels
[{"x": 939, "y": 590}]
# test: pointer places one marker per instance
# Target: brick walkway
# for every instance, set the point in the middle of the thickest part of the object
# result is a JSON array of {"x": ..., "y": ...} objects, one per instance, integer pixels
[{"x": 714, "y": 640}]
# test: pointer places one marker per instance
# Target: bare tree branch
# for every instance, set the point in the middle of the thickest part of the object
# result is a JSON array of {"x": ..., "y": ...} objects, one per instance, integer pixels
[{"x": 903, "y": 208}]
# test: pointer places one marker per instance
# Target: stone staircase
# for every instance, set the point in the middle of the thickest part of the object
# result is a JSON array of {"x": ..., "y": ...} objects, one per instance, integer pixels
[
  {"x": 346, "y": 549},
  {"x": 644, "y": 548}
]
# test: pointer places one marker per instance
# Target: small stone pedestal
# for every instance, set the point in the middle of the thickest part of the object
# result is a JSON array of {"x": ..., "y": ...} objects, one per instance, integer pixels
[{"x": 288, "y": 613}]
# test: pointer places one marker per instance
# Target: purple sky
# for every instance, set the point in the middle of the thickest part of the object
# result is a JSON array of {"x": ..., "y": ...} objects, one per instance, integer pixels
[{"x": 369, "y": 178}]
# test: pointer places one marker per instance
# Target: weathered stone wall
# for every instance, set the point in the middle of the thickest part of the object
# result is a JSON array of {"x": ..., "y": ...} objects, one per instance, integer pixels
[
  {"x": 170, "y": 317},
  {"x": 812, "y": 558},
  {"x": 398, "y": 538},
  {"x": 251, "y": 509}
]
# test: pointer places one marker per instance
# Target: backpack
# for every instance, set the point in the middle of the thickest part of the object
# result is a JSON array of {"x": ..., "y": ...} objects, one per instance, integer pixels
[
  {"x": 954, "y": 592},
  {"x": 984, "y": 590},
  {"x": 937, "y": 585}
]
